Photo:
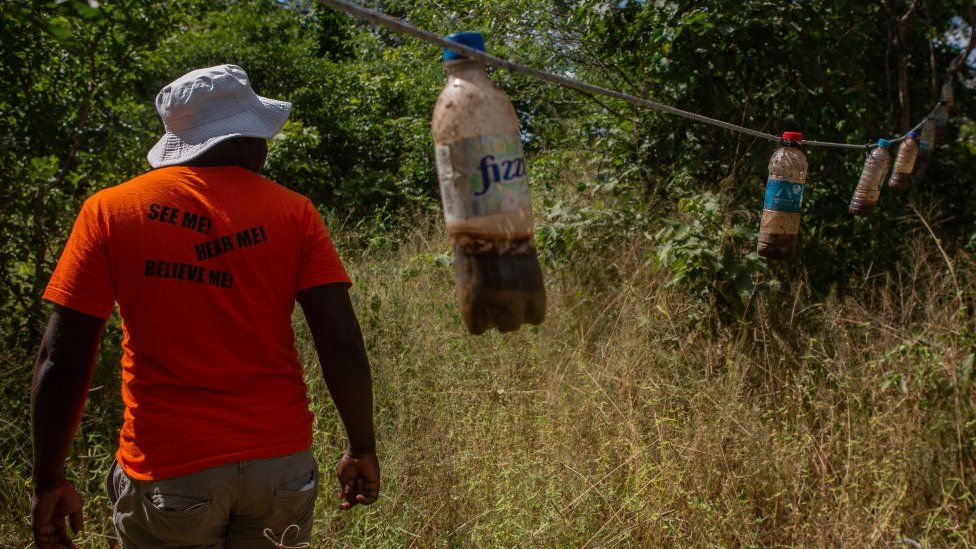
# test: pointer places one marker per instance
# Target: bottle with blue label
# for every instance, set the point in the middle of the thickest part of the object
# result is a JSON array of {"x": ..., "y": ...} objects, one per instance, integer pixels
[
  {"x": 868, "y": 190},
  {"x": 485, "y": 194},
  {"x": 901, "y": 174},
  {"x": 784, "y": 199}
]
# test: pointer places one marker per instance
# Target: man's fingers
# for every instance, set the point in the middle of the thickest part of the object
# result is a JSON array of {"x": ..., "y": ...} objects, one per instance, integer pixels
[
  {"x": 368, "y": 494},
  {"x": 45, "y": 535},
  {"x": 366, "y": 491},
  {"x": 77, "y": 521},
  {"x": 365, "y": 500},
  {"x": 44, "y": 541},
  {"x": 351, "y": 494},
  {"x": 347, "y": 496},
  {"x": 62, "y": 531}
]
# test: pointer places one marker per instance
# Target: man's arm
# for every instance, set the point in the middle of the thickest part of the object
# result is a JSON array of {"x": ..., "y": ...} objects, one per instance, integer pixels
[
  {"x": 62, "y": 376},
  {"x": 342, "y": 356}
]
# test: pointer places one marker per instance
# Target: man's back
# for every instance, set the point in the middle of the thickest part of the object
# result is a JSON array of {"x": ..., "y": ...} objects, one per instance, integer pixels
[
  {"x": 205, "y": 259},
  {"x": 205, "y": 264}
]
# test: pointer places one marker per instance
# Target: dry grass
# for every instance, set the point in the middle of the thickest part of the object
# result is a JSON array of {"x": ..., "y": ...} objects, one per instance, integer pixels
[{"x": 627, "y": 420}]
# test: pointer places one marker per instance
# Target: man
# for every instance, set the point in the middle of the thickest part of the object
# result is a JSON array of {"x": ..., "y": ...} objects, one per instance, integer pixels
[{"x": 205, "y": 259}]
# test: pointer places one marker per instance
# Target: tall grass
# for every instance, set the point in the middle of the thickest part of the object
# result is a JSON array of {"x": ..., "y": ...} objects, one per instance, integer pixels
[{"x": 631, "y": 417}]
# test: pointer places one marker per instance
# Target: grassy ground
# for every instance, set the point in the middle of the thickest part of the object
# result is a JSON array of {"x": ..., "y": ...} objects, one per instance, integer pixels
[{"x": 626, "y": 419}]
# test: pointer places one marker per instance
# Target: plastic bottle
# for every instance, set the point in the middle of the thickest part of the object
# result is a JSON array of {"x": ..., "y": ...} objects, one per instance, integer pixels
[
  {"x": 948, "y": 94},
  {"x": 872, "y": 175},
  {"x": 901, "y": 174},
  {"x": 941, "y": 117},
  {"x": 926, "y": 145},
  {"x": 784, "y": 199},
  {"x": 484, "y": 190},
  {"x": 941, "y": 113}
]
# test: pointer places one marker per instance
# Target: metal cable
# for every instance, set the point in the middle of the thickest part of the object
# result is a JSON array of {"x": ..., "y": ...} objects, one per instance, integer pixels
[{"x": 396, "y": 25}]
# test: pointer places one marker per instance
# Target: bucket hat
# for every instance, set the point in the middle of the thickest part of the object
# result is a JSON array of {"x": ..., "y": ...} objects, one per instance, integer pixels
[{"x": 206, "y": 106}]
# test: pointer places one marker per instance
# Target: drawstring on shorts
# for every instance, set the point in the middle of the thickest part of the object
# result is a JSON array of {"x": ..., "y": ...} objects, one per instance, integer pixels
[{"x": 280, "y": 542}]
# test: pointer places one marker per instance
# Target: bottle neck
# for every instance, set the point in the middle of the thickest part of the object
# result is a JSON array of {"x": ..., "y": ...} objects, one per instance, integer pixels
[{"x": 468, "y": 69}]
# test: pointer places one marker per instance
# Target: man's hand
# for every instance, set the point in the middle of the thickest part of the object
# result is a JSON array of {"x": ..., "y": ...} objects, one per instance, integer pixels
[
  {"x": 359, "y": 479},
  {"x": 48, "y": 508}
]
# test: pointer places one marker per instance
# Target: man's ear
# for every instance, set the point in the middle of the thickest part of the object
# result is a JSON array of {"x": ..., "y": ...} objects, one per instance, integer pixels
[{"x": 253, "y": 152}]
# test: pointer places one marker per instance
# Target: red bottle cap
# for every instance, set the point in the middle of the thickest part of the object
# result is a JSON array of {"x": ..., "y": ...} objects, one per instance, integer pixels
[{"x": 792, "y": 136}]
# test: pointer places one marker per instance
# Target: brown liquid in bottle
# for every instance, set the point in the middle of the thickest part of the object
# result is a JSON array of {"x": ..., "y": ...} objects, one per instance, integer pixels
[
  {"x": 876, "y": 165},
  {"x": 498, "y": 280},
  {"x": 499, "y": 289},
  {"x": 901, "y": 174}
]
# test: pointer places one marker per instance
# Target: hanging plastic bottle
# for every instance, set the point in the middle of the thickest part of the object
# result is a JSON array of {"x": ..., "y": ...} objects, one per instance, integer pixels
[
  {"x": 941, "y": 113},
  {"x": 784, "y": 199},
  {"x": 484, "y": 190},
  {"x": 926, "y": 146},
  {"x": 948, "y": 95},
  {"x": 926, "y": 140},
  {"x": 901, "y": 174},
  {"x": 941, "y": 118},
  {"x": 875, "y": 169}
]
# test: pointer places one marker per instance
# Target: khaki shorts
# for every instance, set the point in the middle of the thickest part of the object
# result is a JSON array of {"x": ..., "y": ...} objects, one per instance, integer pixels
[{"x": 229, "y": 505}]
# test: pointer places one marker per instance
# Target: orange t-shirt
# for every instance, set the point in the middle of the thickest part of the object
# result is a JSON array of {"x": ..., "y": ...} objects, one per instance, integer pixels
[{"x": 204, "y": 264}]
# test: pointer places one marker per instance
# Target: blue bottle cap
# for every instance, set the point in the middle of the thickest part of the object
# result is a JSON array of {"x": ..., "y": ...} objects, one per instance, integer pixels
[
  {"x": 470, "y": 39},
  {"x": 884, "y": 143}
]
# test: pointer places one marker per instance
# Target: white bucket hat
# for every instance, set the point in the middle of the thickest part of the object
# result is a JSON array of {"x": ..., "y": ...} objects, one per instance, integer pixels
[{"x": 207, "y": 106}]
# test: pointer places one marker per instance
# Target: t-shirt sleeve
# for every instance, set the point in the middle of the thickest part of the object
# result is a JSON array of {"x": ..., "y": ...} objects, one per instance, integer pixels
[
  {"x": 82, "y": 279},
  {"x": 319, "y": 263}
]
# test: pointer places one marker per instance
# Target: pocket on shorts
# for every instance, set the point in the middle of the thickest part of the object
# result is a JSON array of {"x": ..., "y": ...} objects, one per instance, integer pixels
[
  {"x": 175, "y": 517},
  {"x": 302, "y": 485},
  {"x": 176, "y": 505}
]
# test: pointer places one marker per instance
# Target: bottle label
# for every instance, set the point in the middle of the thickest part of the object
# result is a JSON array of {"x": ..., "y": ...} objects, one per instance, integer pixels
[
  {"x": 784, "y": 196},
  {"x": 484, "y": 176}
]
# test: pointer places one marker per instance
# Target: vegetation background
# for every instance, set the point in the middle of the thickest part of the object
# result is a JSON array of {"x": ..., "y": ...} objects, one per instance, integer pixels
[{"x": 683, "y": 391}]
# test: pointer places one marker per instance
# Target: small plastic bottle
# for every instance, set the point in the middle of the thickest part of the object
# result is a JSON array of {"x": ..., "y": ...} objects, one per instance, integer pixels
[
  {"x": 948, "y": 94},
  {"x": 941, "y": 117},
  {"x": 784, "y": 199},
  {"x": 901, "y": 174},
  {"x": 926, "y": 146},
  {"x": 485, "y": 193},
  {"x": 875, "y": 169},
  {"x": 941, "y": 113}
]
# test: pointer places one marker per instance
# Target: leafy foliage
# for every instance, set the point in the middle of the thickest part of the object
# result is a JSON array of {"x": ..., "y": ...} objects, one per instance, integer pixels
[
  {"x": 710, "y": 254},
  {"x": 78, "y": 78}
]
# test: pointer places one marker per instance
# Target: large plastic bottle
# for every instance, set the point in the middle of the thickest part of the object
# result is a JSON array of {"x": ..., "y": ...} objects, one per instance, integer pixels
[
  {"x": 784, "y": 199},
  {"x": 901, "y": 174},
  {"x": 484, "y": 190},
  {"x": 875, "y": 169}
]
